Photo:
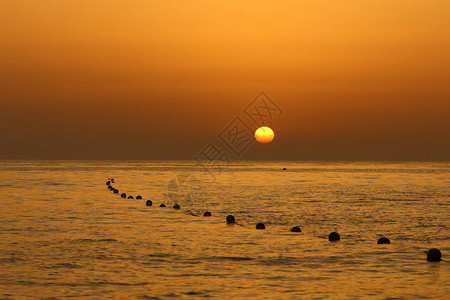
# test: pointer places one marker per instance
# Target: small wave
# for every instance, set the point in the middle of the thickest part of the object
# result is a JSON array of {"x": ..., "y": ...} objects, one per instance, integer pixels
[
  {"x": 221, "y": 258},
  {"x": 96, "y": 240},
  {"x": 197, "y": 293},
  {"x": 238, "y": 258},
  {"x": 11, "y": 260},
  {"x": 63, "y": 265},
  {"x": 280, "y": 261},
  {"x": 117, "y": 283},
  {"x": 160, "y": 255}
]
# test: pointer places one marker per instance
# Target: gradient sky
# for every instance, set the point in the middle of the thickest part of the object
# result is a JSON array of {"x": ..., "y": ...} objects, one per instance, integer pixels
[{"x": 159, "y": 79}]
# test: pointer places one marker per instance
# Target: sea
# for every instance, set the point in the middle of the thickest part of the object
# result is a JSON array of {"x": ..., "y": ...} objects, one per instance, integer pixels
[{"x": 65, "y": 234}]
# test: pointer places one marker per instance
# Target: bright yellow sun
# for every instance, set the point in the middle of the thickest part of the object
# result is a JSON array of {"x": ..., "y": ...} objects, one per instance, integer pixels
[{"x": 264, "y": 135}]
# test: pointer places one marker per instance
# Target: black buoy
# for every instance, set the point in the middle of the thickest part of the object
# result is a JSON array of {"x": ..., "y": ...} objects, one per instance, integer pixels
[
  {"x": 110, "y": 187},
  {"x": 284, "y": 169},
  {"x": 434, "y": 254},
  {"x": 176, "y": 206},
  {"x": 116, "y": 191},
  {"x": 162, "y": 205},
  {"x": 296, "y": 229},
  {"x": 207, "y": 214},
  {"x": 112, "y": 180},
  {"x": 334, "y": 236},
  {"x": 260, "y": 226},
  {"x": 138, "y": 197},
  {"x": 130, "y": 197},
  {"x": 231, "y": 219},
  {"x": 108, "y": 182},
  {"x": 383, "y": 240},
  {"x": 148, "y": 203},
  {"x": 123, "y": 195}
]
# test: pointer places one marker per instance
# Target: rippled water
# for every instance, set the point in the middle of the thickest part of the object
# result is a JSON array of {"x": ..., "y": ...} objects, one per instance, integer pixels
[{"x": 64, "y": 234}]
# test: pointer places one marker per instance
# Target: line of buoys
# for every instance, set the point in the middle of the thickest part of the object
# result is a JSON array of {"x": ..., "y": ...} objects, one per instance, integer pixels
[
  {"x": 112, "y": 189},
  {"x": 433, "y": 254},
  {"x": 124, "y": 195}
]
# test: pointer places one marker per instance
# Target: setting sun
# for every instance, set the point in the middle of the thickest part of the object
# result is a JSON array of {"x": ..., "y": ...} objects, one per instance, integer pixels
[{"x": 264, "y": 135}]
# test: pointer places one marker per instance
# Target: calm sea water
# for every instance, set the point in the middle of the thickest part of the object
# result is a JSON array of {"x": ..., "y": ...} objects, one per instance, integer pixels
[{"x": 64, "y": 234}]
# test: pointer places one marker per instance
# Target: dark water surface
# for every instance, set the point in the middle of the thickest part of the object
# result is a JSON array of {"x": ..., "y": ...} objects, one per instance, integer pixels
[{"x": 64, "y": 234}]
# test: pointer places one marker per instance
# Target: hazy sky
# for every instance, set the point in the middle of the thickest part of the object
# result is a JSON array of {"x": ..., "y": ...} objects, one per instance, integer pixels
[{"x": 159, "y": 79}]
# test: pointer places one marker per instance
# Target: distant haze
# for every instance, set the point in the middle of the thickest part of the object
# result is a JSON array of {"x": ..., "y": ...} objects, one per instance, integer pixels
[{"x": 357, "y": 80}]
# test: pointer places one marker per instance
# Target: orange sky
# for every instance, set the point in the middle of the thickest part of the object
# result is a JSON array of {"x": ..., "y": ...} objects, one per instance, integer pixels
[{"x": 159, "y": 79}]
